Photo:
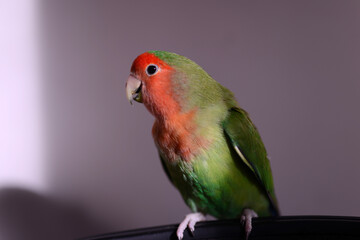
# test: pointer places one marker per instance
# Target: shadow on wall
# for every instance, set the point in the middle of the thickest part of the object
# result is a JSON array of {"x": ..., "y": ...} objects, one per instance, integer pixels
[{"x": 28, "y": 215}]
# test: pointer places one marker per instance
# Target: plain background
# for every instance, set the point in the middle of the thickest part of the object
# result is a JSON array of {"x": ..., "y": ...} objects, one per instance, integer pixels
[{"x": 293, "y": 65}]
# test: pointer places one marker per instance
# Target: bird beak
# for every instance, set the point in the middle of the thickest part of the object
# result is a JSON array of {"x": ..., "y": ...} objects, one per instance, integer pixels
[{"x": 133, "y": 89}]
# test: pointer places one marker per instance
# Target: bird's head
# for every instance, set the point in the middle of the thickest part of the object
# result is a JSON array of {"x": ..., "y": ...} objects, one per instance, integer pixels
[
  {"x": 169, "y": 83},
  {"x": 147, "y": 72}
]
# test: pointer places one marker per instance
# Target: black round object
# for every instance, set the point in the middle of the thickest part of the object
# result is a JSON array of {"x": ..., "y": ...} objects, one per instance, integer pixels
[
  {"x": 151, "y": 69},
  {"x": 283, "y": 228}
]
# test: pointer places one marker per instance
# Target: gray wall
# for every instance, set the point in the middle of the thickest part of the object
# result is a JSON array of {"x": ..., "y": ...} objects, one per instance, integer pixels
[{"x": 293, "y": 65}]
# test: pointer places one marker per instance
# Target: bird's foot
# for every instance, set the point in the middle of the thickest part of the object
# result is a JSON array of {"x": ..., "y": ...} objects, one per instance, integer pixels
[
  {"x": 246, "y": 218},
  {"x": 189, "y": 221}
]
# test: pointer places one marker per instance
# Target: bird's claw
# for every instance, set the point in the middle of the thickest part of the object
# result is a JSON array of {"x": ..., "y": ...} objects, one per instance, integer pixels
[
  {"x": 189, "y": 222},
  {"x": 246, "y": 219}
]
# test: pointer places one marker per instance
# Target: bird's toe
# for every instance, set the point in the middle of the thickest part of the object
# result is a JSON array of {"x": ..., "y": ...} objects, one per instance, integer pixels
[
  {"x": 189, "y": 221},
  {"x": 246, "y": 220}
]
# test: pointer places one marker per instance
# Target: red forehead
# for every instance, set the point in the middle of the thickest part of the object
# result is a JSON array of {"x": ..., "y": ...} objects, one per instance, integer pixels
[{"x": 143, "y": 60}]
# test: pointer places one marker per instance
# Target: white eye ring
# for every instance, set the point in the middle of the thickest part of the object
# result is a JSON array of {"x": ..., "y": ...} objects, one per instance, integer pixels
[{"x": 152, "y": 69}]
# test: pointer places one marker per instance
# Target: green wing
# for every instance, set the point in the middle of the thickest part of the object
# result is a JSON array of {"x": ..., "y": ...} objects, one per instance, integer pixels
[{"x": 246, "y": 142}]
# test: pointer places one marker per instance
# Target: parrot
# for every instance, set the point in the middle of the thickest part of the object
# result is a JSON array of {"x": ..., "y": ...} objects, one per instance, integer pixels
[{"x": 208, "y": 147}]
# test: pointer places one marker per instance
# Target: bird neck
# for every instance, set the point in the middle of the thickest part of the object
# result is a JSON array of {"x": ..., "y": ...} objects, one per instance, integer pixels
[{"x": 176, "y": 138}]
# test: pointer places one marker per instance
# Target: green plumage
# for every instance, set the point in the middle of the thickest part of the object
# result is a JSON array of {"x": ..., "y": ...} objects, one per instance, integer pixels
[{"x": 233, "y": 171}]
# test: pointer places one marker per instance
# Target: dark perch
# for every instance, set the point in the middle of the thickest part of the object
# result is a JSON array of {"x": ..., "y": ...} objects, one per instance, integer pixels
[{"x": 291, "y": 227}]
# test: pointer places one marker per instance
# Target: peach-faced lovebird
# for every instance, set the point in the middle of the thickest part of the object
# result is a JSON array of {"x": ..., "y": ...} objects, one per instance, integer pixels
[{"x": 208, "y": 146}]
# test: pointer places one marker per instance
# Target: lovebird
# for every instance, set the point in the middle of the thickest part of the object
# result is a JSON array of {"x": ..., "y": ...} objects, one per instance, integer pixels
[{"x": 208, "y": 146}]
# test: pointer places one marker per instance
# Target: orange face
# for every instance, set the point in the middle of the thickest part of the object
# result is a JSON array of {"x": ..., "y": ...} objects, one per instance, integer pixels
[{"x": 149, "y": 83}]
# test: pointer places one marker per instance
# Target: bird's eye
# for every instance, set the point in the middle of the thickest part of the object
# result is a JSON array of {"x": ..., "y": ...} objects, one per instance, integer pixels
[{"x": 151, "y": 69}]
